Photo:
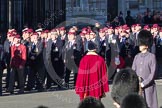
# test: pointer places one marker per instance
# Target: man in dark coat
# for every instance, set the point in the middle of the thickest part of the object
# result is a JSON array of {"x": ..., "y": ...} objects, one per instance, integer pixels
[
  {"x": 86, "y": 40},
  {"x": 95, "y": 38},
  {"x": 158, "y": 44},
  {"x": 112, "y": 52},
  {"x": 126, "y": 49},
  {"x": 135, "y": 39},
  {"x": 2, "y": 64},
  {"x": 63, "y": 35},
  {"x": 26, "y": 41},
  {"x": 72, "y": 56},
  {"x": 54, "y": 47},
  {"x": 129, "y": 19},
  {"x": 36, "y": 64},
  {"x": 7, "y": 55},
  {"x": 83, "y": 41},
  {"x": 102, "y": 38},
  {"x": 147, "y": 18}
]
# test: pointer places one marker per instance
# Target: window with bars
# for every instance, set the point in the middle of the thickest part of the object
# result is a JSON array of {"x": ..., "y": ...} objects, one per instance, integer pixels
[
  {"x": 157, "y": 4},
  {"x": 97, "y": 4},
  {"x": 141, "y": 2},
  {"x": 76, "y": 3},
  {"x": 80, "y": 3}
]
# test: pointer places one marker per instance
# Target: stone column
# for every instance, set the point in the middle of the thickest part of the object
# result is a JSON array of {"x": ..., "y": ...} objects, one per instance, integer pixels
[
  {"x": 149, "y": 4},
  {"x": 122, "y": 6}
]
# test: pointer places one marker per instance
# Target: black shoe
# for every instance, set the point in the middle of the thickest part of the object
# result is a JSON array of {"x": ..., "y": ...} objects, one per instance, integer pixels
[
  {"x": 66, "y": 85},
  {"x": 28, "y": 89},
  {"x": 11, "y": 92},
  {"x": 7, "y": 90},
  {"x": 17, "y": 87},
  {"x": 6, "y": 87},
  {"x": 60, "y": 87},
  {"x": 48, "y": 87},
  {"x": 21, "y": 92},
  {"x": 41, "y": 90}
]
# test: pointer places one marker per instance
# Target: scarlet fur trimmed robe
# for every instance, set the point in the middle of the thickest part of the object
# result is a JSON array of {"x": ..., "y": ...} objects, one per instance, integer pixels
[{"x": 92, "y": 79}]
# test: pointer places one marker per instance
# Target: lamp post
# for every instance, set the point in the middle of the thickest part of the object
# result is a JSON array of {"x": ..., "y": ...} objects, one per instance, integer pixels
[{"x": 10, "y": 13}]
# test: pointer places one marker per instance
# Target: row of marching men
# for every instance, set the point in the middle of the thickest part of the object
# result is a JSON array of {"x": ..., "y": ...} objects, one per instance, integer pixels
[{"x": 38, "y": 59}]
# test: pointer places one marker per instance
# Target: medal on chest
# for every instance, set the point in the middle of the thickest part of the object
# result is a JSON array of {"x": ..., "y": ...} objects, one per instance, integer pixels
[
  {"x": 161, "y": 42},
  {"x": 104, "y": 44},
  {"x": 117, "y": 61},
  {"x": 55, "y": 49},
  {"x": 36, "y": 50},
  {"x": 18, "y": 52},
  {"x": 113, "y": 41},
  {"x": 74, "y": 46}
]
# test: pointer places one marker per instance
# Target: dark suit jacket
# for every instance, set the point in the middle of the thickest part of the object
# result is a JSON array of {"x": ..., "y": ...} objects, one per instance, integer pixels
[
  {"x": 126, "y": 49},
  {"x": 72, "y": 55},
  {"x": 55, "y": 49},
  {"x": 97, "y": 42},
  {"x": 158, "y": 47},
  {"x": 102, "y": 48},
  {"x": 37, "y": 53},
  {"x": 7, "y": 52},
  {"x": 113, "y": 47},
  {"x": 27, "y": 44},
  {"x": 63, "y": 40}
]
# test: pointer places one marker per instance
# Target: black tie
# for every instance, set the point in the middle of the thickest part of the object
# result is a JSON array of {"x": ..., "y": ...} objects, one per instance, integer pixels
[{"x": 33, "y": 46}]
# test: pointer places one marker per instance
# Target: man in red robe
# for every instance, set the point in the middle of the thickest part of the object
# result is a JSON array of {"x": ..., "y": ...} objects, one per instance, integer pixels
[
  {"x": 92, "y": 79},
  {"x": 18, "y": 60}
]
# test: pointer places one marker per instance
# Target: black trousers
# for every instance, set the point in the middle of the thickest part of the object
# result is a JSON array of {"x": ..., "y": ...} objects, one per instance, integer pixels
[
  {"x": 7, "y": 61},
  {"x": 135, "y": 51},
  {"x": 49, "y": 81},
  {"x": 20, "y": 73},
  {"x": 36, "y": 77},
  {"x": 67, "y": 75},
  {"x": 1, "y": 74},
  {"x": 58, "y": 67}
]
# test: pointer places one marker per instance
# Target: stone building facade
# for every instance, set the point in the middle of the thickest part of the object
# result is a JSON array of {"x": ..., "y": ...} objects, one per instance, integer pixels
[
  {"x": 139, "y": 6},
  {"x": 92, "y": 9},
  {"x": 103, "y": 10},
  {"x": 16, "y": 13}
]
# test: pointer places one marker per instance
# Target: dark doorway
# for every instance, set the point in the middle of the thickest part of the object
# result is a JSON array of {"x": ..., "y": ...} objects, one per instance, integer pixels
[{"x": 112, "y": 9}]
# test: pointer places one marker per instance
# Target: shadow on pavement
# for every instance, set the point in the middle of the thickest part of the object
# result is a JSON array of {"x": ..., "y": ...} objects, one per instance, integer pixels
[
  {"x": 42, "y": 106},
  {"x": 32, "y": 92}
]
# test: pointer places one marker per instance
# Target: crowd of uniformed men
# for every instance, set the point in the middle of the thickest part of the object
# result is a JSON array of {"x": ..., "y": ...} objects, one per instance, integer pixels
[{"x": 23, "y": 56}]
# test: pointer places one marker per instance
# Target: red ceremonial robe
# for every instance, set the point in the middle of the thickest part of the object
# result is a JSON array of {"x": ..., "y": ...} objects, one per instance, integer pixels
[{"x": 92, "y": 79}]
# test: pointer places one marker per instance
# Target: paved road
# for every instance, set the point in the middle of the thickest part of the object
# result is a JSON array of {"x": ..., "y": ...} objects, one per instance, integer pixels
[{"x": 57, "y": 99}]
